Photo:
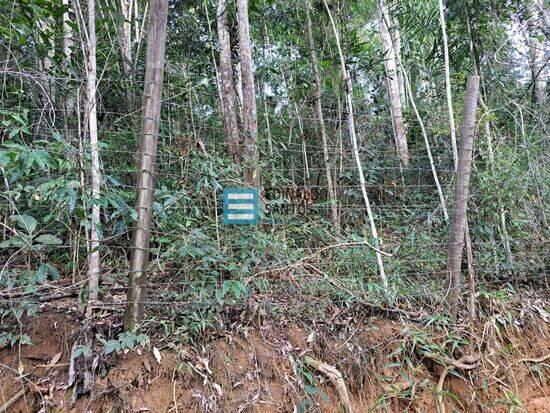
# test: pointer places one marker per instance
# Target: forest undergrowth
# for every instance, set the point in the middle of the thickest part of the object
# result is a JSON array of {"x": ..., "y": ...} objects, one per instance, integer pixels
[{"x": 254, "y": 359}]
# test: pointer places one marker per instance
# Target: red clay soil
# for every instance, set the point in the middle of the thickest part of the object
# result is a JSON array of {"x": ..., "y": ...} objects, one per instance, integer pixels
[{"x": 261, "y": 370}]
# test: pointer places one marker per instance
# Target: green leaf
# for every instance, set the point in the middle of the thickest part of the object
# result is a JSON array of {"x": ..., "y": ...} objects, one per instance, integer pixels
[
  {"x": 46, "y": 270},
  {"x": 41, "y": 273},
  {"x": 112, "y": 345},
  {"x": 25, "y": 222},
  {"x": 81, "y": 351},
  {"x": 4, "y": 159},
  {"x": 13, "y": 132},
  {"x": 25, "y": 339},
  {"x": 142, "y": 339},
  {"x": 49, "y": 239},
  {"x": 310, "y": 389},
  {"x": 12, "y": 242},
  {"x": 54, "y": 274}
]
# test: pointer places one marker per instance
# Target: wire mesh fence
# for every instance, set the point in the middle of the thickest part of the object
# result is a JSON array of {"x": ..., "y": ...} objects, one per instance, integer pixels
[{"x": 294, "y": 258}]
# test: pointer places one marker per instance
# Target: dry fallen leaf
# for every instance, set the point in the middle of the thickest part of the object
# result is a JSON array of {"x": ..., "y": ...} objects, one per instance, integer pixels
[
  {"x": 218, "y": 388},
  {"x": 55, "y": 359},
  {"x": 157, "y": 354},
  {"x": 147, "y": 365}
]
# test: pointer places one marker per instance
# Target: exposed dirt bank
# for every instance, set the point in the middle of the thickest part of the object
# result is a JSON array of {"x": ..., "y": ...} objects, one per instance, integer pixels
[{"x": 386, "y": 365}]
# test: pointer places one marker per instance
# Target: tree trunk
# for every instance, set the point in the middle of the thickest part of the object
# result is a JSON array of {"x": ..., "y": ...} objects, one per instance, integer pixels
[
  {"x": 408, "y": 89},
  {"x": 459, "y": 219},
  {"x": 150, "y": 123},
  {"x": 250, "y": 116},
  {"x": 229, "y": 98},
  {"x": 67, "y": 44},
  {"x": 46, "y": 26},
  {"x": 539, "y": 72},
  {"x": 126, "y": 47},
  {"x": 448, "y": 83},
  {"x": 392, "y": 84},
  {"x": 264, "y": 99},
  {"x": 213, "y": 55},
  {"x": 67, "y": 36},
  {"x": 427, "y": 144},
  {"x": 452, "y": 127},
  {"x": 472, "y": 302},
  {"x": 91, "y": 110},
  {"x": 320, "y": 118},
  {"x": 397, "y": 44},
  {"x": 348, "y": 90}
]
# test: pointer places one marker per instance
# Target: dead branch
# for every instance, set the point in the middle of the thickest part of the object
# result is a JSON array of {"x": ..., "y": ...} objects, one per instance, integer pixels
[
  {"x": 304, "y": 260},
  {"x": 335, "y": 377},
  {"x": 439, "y": 390},
  {"x": 6, "y": 406},
  {"x": 407, "y": 314},
  {"x": 466, "y": 362},
  {"x": 536, "y": 361}
]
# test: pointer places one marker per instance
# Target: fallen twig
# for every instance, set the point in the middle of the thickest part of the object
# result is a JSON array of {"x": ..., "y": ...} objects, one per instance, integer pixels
[
  {"x": 335, "y": 377},
  {"x": 304, "y": 260},
  {"x": 407, "y": 314},
  {"x": 15, "y": 398},
  {"x": 466, "y": 362},
  {"x": 439, "y": 391},
  {"x": 536, "y": 361}
]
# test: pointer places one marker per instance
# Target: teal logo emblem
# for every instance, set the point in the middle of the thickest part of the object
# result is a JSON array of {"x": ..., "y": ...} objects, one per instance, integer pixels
[{"x": 241, "y": 206}]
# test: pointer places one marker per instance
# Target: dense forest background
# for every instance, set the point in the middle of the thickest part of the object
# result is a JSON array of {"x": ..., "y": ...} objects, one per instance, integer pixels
[{"x": 342, "y": 224}]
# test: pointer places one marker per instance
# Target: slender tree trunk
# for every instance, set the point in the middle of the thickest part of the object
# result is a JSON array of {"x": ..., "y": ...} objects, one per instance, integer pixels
[
  {"x": 150, "y": 123},
  {"x": 139, "y": 28},
  {"x": 401, "y": 81},
  {"x": 229, "y": 98},
  {"x": 126, "y": 47},
  {"x": 250, "y": 115},
  {"x": 396, "y": 39},
  {"x": 69, "y": 104},
  {"x": 452, "y": 127},
  {"x": 459, "y": 219},
  {"x": 408, "y": 89},
  {"x": 91, "y": 111},
  {"x": 306, "y": 176},
  {"x": 267, "y": 123},
  {"x": 239, "y": 90},
  {"x": 264, "y": 99},
  {"x": 448, "y": 83},
  {"x": 348, "y": 90},
  {"x": 67, "y": 36},
  {"x": 320, "y": 118},
  {"x": 213, "y": 55},
  {"x": 392, "y": 84},
  {"x": 428, "y": 148},
  {"x": 67, "y": 44},
  {"x": 472, "y": 302},
  {"x": 539, "y": 72},
  {"x": 46, "y": 26},
  {"x": 126, "y": 36}
]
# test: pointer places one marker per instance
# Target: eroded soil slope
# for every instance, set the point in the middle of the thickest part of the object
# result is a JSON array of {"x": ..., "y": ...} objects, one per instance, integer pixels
[{"x": 386, "y": 365}]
